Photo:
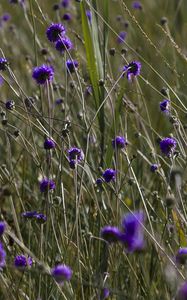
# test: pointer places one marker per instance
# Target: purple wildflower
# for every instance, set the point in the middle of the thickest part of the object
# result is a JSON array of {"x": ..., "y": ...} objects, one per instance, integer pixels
[
  {"x": 67, "y": 17},
  {"x": 133, "y": 238},
  {"x": 43, "y": 73},
  {"x": 65, "y": 3},
  {"x": 182, "y": 292},
  {"x": 6, "y": 17},
  {"x": 40, "y": 217},
  {"x": 137, "y": 5},
  {"x": 2, "y": 256},
  {"x": 119, "y": 142},
  {"x": 29, "y": 214},
  {"x": 55, "y": 32},
  {"x": 121, "y": 37},
  {"x": 109, "y": 174},
  {"x": 2, "y": 227},
  {"x": 105, "y": 293},
  {"x": 61, "y": 273},
  {"x": 64, "y": 44},
  {"x": 10, "y": 105},
  {"x": 49, "y": 144},
  {"x": 111, "y": 234},
  {"x": 21, "y": 261},
  {"x": 164, "y": 105},
  {"x": 168, "y": 145},
  {"x": 75, "y": 154},
  {"x": 46, "y": 185},
  {"x": 59, "y": 101},
  {"x": 154, "y": 167},
  {"x": 89, "y": 15},
  {"x": 181, "y": 256},
  {"x": 3, "y": 63},
  {"x": 71, "y": 65},
  {"x": 99, "y": 181},
  {"x": 132, "y": 69}
]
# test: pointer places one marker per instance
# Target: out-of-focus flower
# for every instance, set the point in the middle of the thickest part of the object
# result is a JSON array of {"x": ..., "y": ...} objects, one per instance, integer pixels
[
  {"x": 2, "y": 256},
  {"x": 67, "y": 17},
  {"x": 3, "y": 63},
  {"x": 71, "y": 65},
  {"x": 64, "y": 44},
  {"x": 29, "y": 214},
  {"x": 181, "y": 256},
  {"x": 61, "y": 273},
  {"x": 49, "y": 144},
  {"x": 137, "y": 5},
  {"x": 89, "y": 15},
  {"x": 182, "y": 292},
  {"x": 46, "y": 185},
  {"x": 133, "y": 236},
  {"x": 21, "y": 261},
  {"x": 154, "y": 167},
  {"x": 105, "y": 293},
  {"x": 121, "y": 37},
  {"x": 10, "y": 105},
  {"x": 65, "y": 3},
  {"x": 111, "y": 234},
  {"x": 2, "y": 227},
  {"x": 165, "y": 105},
  {"x": 168, "y": 145},
  {"x": 42, "y": 74},
  {"x": 132, "y": 69},
  {"x": 119, "y": 142}
]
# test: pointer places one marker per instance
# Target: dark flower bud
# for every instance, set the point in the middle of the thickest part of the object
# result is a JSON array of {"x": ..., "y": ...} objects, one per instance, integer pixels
[
  {"x": 16, "y": 133},
  {"x": 10, "y": 105},
  {"x": 124, "y": 51},
  {"x": 112, "y": 51},
  {"x": 165, "y": 91},
  {"x": 56, "y": 6},
  {"x": 4, "y": 122},
  {"x": 44, "y": 51},
  {"x": 101, "y": 82},
  {"x": 170, "y": 200},
  {"x": 163, "y": 21}
]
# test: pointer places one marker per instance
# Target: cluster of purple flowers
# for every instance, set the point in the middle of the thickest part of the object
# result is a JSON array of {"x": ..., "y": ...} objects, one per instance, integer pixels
[
  {"x": 21, "y": 262},
  {"x": 168, "y": 145},
  {"x": 34, "y": 215},
  {"x": 75, "y": 155},
  {"x": 47, "y": 184},
  {"x": 131, "y": 235}
]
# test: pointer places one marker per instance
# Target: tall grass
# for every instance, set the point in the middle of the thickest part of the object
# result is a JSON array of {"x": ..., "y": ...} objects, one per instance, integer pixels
[{"x": 78, "y": 208}]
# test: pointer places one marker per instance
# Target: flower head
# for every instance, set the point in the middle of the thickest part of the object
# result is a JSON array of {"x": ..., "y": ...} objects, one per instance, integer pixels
[
  {"x": 132, "y": 69},
  {"x": 167, "y": 146},
  {"x": 21, "y": 261},
  {"x": 71, "y": 65},
  {"x": 65, "y": 3},
  {"x": 2, "y": 227},
  {"x": 49, "y": 144},
  {"x": 67, "y": 17},
  {"x": 119, "y": 142},
  {"x": 2, "y": 256},
  {"x": 75, "y": 154},
  {"x": 164, "y": 105},
  {"x": 181, "y": 256},
  {"x": 133, "y": 236},
  {"x": 3, "y": 63},
  {"x": 137, "y": 5},
  {"x": 10, "y": 104},
  {"x": 182, "y": 292},
  {"x": 43, "y": 73},
  {"x": 64, "y": 44},
  {"x": 29, "y": 214},
  {"x": 6, "y": 17},
  {"x": 111, "y": 234},
  {"x": 89, "y": 15},
  {"x": 154, "y": 167},
  {"x": 46, "y": 185},
  {"x": 61, "y": 273},
  {"x": 40, "y": 217},
  {"x": 105, "y": 293},
  {"x": 121, "y": 37},
  {"x": 55, "y": 32},
  {"x": 109, "y": 174}
]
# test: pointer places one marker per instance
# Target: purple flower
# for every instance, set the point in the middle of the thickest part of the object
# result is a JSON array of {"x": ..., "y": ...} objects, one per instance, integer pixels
[
  {"x": 164, "y": 105},
  {"x": 121, "y": 37},
  {"x": 137, "y": 5},
  {"x": 2, "y": 256},
  {"x": 71, "y": 65},
  {"x": 111, "y": 234},
  {"x": 21, "y": 261},
  {"x": 132, "y": 69},
  {"x": 46, "y": 185},
  {"x": 109, "y": 174},
  {"x": 119, "y": 142},
  {"x": 65, "y": 3},
  {"x": 10, "y": 105},
  {"x": 133, "y": 236},
  {"x": 3, "y": 63},
  {"x": 49, "y": 144},
  {"x": 6, "y": 17},
  {"x": 75, "y": 154},
  {"x": 154, "y": 167},
  {"x": 182, "y": 292},
  {"x": 89, "y": 15},
  {"x": 61, "y": 273},
  {"x": 55, "y": 32},
  {"x": 2, "y": 227},
  {"x": 64, "y": 44},
  {"x": 67, "y": 17},
  {"x": 59, "y": 101},
  {"x": 43, "y": 74},
  {"x": 105, "y": 293},
  {"x": 168, "y": 145},
  {"x": 99, "y": 181},
  {"x": 40, "y": 217},
  {"x": 29, "y": 214},
  {"x": 181, "y": 256}
]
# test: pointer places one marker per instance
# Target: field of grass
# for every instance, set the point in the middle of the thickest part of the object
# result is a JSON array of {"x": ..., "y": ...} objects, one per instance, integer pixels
[{"x": 83, "y": 215}]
